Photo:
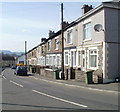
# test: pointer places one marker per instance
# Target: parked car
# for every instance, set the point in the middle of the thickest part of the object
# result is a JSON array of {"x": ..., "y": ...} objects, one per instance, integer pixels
[
  {"x": 21, "y": 70},
  {"x": 13, "y": 67}
]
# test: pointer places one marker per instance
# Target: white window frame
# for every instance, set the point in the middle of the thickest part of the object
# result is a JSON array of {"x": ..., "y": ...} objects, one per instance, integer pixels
[
  {"x": 85, "y": 28},
  {"x": 42, "y": 49},
  {"x": 56, "y": 44},
  {"x": 74, "y": 57},
  {"x": 83, "y": 56},
  {"x": 79, "y": 58},
  {"x": 90, "y": 49},
  {"x": 49, "y": 45},
  {"x": 66, "y": 64},
  {"x": 54, "y": 60},
  {"x": 50, "y": 60},
  {"x": 70, "y": 31},
  {"x": 47, "y": 59},
  {"x": 38, "y": 49},
  {"x": 57, "y": 60}
]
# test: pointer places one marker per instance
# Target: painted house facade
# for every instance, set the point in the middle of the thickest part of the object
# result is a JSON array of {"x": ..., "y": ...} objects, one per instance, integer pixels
[
  {"x": 95, "y": 49},
  {"x": 85, "y": 47},
  {"x": 21, "y": 60}
]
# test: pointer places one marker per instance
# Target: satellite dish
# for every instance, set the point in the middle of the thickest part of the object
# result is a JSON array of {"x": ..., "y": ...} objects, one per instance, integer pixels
[{"x": 98, "y": 27}]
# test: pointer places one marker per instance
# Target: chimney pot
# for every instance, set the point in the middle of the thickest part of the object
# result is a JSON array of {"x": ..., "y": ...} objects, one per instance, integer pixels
[
  {"x": 65, "y": 23},
  {"x": 51, "y": 33},
  {"x": 86, "y": 8},
  {"x": 43, "y": 39}
]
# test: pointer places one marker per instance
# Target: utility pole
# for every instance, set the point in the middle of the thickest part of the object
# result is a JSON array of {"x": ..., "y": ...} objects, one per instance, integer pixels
[
  {"x": 62, "y": 32},
  {"x": 26, "y": 54}
]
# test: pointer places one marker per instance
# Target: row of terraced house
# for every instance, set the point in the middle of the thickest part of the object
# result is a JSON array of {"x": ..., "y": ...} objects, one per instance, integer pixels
[{"x": 90, "y": 43}]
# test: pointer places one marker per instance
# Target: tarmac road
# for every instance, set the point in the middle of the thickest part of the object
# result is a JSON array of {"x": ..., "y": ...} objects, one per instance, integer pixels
[{"x": 28, "y": 93}]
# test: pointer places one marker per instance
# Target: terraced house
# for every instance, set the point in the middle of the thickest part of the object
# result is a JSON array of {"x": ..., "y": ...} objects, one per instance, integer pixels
[
  {"x": 90, "y": 43},
  {"x": 53, "y": 52}
]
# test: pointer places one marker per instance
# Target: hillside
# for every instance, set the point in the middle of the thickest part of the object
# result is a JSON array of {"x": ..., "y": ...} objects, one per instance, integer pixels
[{"x": 11, "y": 53}]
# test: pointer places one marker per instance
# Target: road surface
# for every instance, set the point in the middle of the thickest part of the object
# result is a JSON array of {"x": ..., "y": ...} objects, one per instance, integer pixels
[{"x": 29, "y": 93}]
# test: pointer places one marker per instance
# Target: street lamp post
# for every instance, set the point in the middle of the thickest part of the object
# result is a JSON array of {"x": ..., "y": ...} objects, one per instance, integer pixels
[{"x": 26, "y": 54}]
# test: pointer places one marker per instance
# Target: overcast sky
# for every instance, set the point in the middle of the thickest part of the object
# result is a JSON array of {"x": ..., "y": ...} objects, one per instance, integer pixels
[{"x": 30, "y": 21}]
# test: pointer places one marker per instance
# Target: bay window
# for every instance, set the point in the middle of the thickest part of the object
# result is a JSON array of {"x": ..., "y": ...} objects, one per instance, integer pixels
[
  {"x": 93, "y": 58},
  {"x": 79, "y": 58},
  {"x": 73, "y": 58},
  {"x": 66, "y": 58}
]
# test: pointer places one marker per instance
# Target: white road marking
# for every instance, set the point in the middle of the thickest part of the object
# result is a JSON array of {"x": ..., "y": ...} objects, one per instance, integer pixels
[
  {"x": 4, "y": 77},
  {"x": 16, "y": 83},
  {"x": 63, "y": 100}
]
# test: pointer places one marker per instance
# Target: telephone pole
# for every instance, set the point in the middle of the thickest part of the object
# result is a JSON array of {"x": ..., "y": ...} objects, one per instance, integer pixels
[{"x": 62, "y": 32}]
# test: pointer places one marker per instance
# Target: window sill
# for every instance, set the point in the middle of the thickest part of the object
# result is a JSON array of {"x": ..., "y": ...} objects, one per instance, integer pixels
[
  {"x": 66, "y": 64},
  {"x": 70, "y": 43},
  {"x": 79, "y": 66},
  {"x": 56, "y": 49},
  {"x": 93, "y": 68},
  {"x": 87, "y": 40},
  {"x": 74, "y": 66}
]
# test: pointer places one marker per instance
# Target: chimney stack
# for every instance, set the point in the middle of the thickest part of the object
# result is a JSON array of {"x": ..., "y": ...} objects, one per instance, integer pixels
[
  {"x": 65, "y": 23},
  {"x": 51, "y": 33},
  {"x": 43, "y": 39},
  {"x": 86, "y": 8}
]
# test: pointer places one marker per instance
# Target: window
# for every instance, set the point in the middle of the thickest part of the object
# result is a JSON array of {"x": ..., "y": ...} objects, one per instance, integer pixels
[
  {"x": 56, "y": 43},
  {"x": 54, "y": 60},
  {"x": 50, "y": 60},
  {"x": 69, "y": 37},
  {"x": 58, "y": 60},
  {"x": 87, "y": 31},
  {"x": 47, "y": 60},
  {"x": 83, "y": 59},
  {"x": 73, "y": 58},
  {"x": 66, "y": 57},
  {"x": 79, "y": 58},
  {"x": 32, "y": 53},
  {"x": 49, "y": 45},
  {"x": 93, "y": 58},
  {"x": 42, "y": 49},
  {"x": 39, "y": 50}
]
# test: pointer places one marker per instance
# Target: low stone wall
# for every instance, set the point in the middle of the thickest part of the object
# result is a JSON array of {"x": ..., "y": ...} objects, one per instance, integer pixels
[
  {"x": 46, "y": 73},
  {"x": 98, "y": 76},
  {"x": 80, "y": 75},
  {"x": 49, "y": 73},
  {"x": 75, "y": 74},
  {"x": 70, "y": 73},
  {"x": 38, "y": 69},
  {"x": 42, "y": 71}
]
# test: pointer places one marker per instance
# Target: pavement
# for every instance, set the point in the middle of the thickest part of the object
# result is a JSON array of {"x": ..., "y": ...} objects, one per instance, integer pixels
[{"x": 109, "y": 87}]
